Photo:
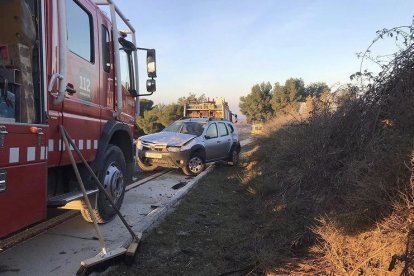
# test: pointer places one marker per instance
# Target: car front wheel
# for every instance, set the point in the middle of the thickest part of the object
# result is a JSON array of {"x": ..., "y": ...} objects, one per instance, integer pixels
[
  {"x": 195, "y": 165},
  {"x": 146, "y": 167}
]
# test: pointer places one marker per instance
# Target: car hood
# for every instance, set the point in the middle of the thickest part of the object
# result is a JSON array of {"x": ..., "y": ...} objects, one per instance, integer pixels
[{"x": 168, "y": 138}]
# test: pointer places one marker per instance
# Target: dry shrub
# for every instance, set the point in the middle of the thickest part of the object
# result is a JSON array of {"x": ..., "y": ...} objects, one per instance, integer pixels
[
  {"x": 350, "y": 167},
  {"x": 367, "y": 253}
]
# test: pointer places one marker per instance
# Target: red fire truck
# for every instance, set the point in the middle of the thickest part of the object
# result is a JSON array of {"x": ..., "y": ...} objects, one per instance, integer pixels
[{"x": 62, "y": 64}]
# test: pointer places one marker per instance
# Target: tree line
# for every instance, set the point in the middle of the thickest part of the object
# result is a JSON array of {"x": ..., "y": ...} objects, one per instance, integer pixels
[{"x": 266, "y": 101}]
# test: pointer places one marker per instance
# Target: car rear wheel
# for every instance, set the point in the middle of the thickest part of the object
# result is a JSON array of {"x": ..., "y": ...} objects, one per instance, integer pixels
[
  {"x": 235, "y": 157},
  {"x": 195, "y": 165},
  {"x": 146, "y": 167}
]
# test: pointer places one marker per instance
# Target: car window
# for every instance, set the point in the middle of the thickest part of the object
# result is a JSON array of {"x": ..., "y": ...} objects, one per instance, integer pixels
[
  {"x": 193, "y": 128},
  {"x": 223, "y": 129},
  {"x": 174, "y": 127},
  {"x": 212, "y": 131},
  {"x": 231, "y": 128}
]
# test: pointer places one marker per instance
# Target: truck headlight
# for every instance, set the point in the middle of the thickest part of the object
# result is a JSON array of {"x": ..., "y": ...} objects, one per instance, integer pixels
[
  {"x": 174, "y": 149},
  {"x": 139, "y": 145}
]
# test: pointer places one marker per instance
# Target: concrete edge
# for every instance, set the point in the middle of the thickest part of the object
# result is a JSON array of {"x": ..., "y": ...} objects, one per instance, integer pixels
[{"x": 158, "y": 215}]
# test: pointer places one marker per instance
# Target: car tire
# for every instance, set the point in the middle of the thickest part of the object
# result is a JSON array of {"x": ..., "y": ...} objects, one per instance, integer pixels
[
  {"x": 145, "y": 167},
  {"x": 235, "y": 157},
  {"x": 113, "y": 178},
  {"x": 195, "y": 165}
]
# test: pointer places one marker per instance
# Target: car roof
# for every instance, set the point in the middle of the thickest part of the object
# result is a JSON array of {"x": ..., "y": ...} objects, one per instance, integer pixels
[{"x": 203, "y": 120}]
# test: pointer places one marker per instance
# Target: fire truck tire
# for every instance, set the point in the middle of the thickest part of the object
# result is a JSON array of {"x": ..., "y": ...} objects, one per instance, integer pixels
[
  {"x": 113, "y": 178},
  {"x": 146, "y": 167}
]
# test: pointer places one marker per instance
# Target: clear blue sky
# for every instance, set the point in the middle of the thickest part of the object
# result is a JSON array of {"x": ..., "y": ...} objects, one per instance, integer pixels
[{"x": 224, "y": 47}]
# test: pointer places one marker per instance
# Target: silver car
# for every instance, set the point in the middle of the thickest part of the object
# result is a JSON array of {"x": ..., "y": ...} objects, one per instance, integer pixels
[{"x": 189, "y": 144}]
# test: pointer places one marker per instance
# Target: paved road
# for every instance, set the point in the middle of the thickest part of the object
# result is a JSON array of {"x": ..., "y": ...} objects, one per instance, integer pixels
[{"x": 59, "y": 250}]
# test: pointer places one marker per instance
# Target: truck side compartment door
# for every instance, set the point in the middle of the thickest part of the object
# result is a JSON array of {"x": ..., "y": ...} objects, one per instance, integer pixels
[
  {"x": 23, "y": 150},
  {"x": 22, "y": 176}
]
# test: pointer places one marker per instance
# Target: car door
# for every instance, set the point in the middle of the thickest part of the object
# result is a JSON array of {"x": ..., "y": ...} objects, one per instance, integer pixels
[
  {"x": 233, "y": 133},
  {"x": 212, "y": 142},
  {"x": 225, "y": 141}
]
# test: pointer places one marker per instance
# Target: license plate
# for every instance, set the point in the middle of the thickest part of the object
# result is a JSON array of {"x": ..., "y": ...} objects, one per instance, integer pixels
[{"x": 153, "y": 155}]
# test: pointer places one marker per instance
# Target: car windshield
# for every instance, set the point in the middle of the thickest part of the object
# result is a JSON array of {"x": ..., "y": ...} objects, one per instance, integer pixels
[{"x": 193, "y": 128}]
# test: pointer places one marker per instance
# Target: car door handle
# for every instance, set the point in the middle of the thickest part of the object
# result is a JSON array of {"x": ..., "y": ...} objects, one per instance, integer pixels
[{"x": 218, "y": 142}]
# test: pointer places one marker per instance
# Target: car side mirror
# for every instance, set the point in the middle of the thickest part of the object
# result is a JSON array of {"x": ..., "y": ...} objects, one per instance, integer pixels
[{"x": 207, "y": 137}]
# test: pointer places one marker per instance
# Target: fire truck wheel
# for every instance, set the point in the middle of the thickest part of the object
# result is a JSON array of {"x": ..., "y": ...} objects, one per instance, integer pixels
[
  {"x": 112, "y": 177},
  {"x": 146, "y": 167}
]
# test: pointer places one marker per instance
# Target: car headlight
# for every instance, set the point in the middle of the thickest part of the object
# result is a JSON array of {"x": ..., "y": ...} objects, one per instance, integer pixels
[
  {"x": 139, "y": 145},
  {"x": 173, "y": 149}
]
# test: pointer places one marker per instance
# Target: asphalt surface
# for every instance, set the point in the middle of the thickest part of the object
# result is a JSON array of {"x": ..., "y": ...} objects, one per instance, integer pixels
[{"x": 60, "y": 249}]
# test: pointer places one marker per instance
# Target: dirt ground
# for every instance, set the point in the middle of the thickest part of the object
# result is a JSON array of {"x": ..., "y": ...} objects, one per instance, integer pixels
[{"x": 212, "y": 232}]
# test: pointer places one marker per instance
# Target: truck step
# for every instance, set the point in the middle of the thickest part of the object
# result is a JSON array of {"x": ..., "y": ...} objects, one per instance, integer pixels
[{"x": 61, "y": 200}]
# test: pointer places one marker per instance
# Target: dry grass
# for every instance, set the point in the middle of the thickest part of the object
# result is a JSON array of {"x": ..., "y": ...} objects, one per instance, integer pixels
[{"x": 339, "y": 182}]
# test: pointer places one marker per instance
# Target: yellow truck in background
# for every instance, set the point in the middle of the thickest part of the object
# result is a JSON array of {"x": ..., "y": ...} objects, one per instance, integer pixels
[
  {"x": 216, "y": 108},
  {"x": 257, "y": 129}
]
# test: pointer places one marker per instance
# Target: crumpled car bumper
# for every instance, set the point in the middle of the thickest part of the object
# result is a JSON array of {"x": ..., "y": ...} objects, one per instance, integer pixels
[{"x": 165, "y": 159}]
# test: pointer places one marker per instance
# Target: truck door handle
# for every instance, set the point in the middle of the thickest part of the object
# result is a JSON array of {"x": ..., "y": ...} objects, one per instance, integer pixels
[
  {"x": 3, "y": 181},
  {"x": 70, "y": 89},
  {"x": 3, "y": 132}
]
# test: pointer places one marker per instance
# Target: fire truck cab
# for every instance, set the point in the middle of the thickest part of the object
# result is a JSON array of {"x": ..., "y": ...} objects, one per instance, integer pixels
[{"x": 62, "y": 64}]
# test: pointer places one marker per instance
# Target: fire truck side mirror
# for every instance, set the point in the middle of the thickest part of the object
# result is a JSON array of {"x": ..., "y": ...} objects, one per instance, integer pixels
[
  {"x": 151, "y": 85},
  {"x": 151, "y": 66}
]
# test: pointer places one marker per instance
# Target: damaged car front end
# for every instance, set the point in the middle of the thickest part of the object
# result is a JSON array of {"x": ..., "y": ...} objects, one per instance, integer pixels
[{"x": 170, "y": 148}]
